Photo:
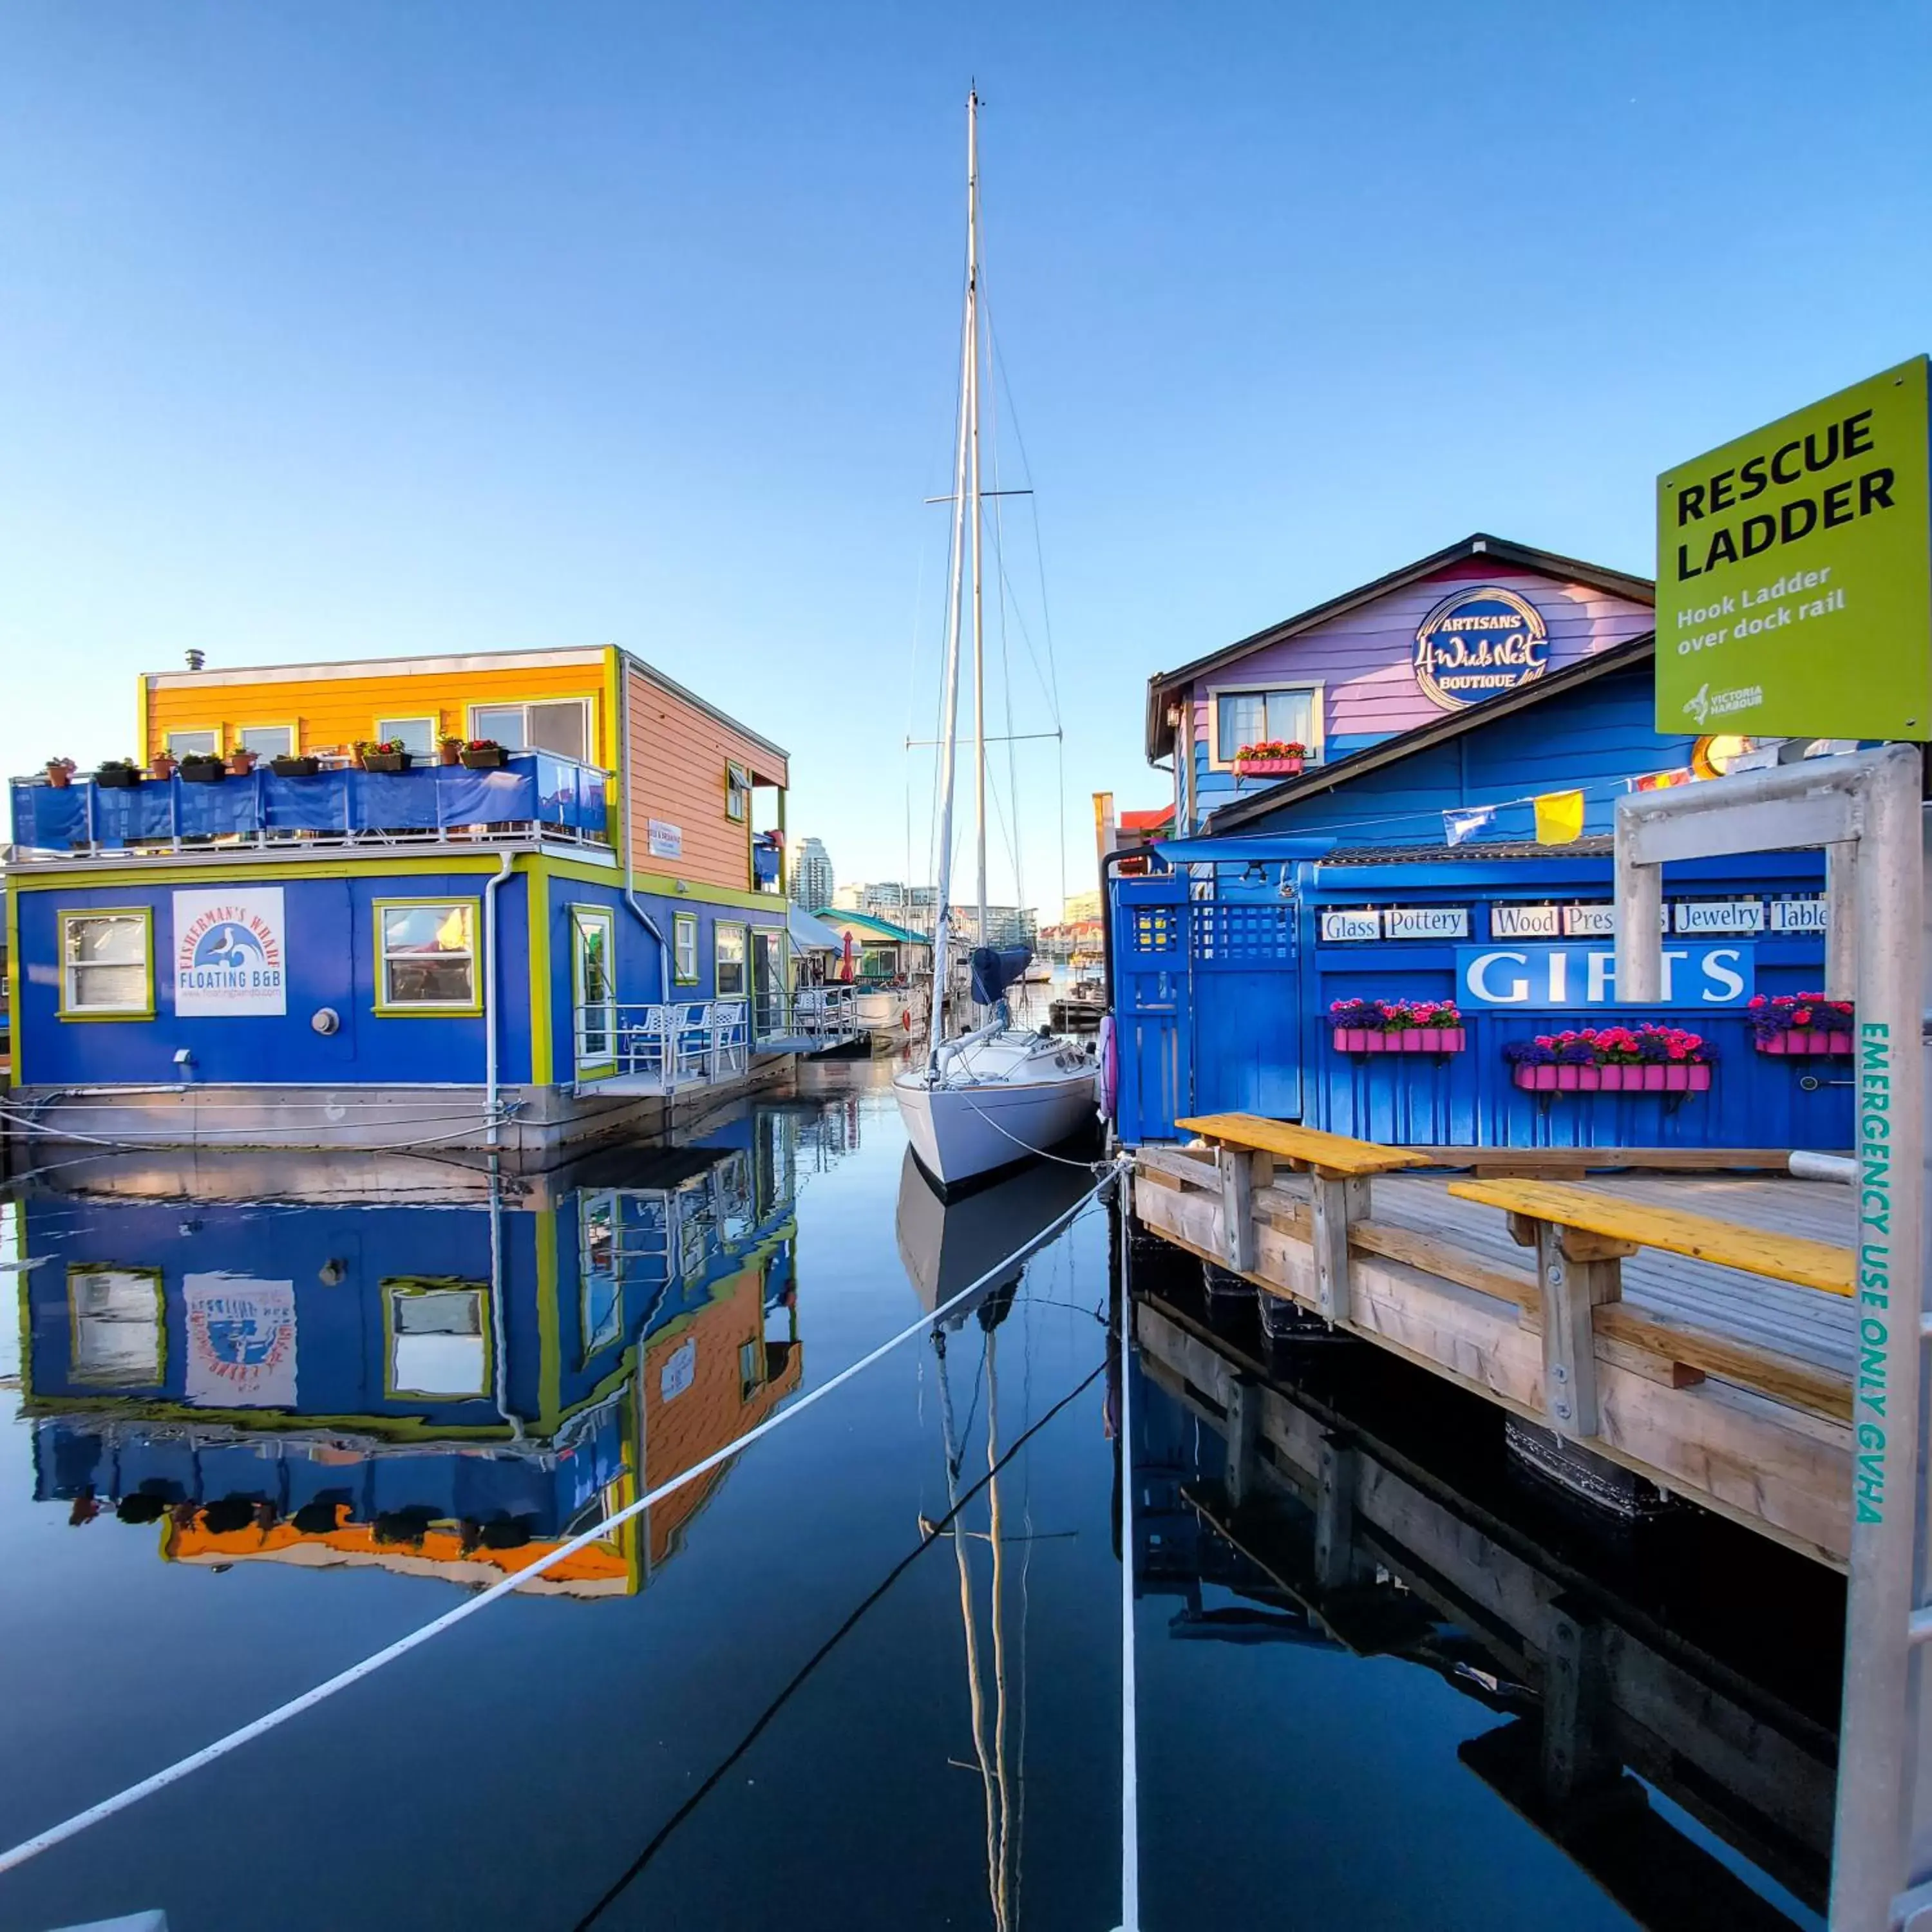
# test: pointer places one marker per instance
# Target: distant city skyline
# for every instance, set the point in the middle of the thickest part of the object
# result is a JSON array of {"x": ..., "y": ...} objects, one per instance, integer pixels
[{"x": 812, "y": 881}]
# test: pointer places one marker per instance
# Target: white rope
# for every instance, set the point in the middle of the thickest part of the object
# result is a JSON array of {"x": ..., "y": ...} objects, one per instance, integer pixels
[
  {"x": 1130, "y": 1828},
  {"x": 32, "y": 1848}
]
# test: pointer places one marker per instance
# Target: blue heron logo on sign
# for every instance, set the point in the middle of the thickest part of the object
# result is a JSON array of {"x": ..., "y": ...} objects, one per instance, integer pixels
[
  {"x": 1478, "y": 642},
  {"x": 228, "y": 951}
]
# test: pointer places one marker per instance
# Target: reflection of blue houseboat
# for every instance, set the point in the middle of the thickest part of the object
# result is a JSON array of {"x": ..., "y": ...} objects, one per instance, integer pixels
[
  {"x": 269, "y": 937},
  {"x": 450, "y": 1389}
]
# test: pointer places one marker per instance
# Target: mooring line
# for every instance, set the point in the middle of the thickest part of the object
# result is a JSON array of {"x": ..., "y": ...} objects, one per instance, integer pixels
[
  {"x": 109, "y": 1807},
  {"x": 818, "y": 1657},
  {"x": 1130, "y": 1824}
]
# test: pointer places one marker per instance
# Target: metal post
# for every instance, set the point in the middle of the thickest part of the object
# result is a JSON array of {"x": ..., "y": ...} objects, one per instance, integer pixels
[{"x": 1881, "y": 1859}]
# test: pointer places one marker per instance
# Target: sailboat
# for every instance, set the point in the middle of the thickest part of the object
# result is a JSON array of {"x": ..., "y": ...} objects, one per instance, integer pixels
[{"x": 996, "y": 1093}]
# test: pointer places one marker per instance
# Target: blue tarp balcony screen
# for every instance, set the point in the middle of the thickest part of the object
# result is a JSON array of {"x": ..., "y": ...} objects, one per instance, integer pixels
[{"x": 534, "y": 788}]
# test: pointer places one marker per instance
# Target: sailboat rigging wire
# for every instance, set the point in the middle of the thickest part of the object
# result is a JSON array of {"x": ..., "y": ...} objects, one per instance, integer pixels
[
  {"x": 109, "y": 1807},
  {"x": 819, "y": 1656},
  {"x": 1130, "y": 1824}
]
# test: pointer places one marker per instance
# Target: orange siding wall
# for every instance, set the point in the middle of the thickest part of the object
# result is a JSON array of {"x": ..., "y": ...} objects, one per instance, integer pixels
[
  {"x": 331, "y": 712},
  {"x": 678, "y": 757}
]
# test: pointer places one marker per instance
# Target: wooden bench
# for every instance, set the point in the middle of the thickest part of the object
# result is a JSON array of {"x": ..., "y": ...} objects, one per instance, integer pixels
[
  {"x": 1245, "y": 1147},
  {"x": 1581, "y": 1235}
]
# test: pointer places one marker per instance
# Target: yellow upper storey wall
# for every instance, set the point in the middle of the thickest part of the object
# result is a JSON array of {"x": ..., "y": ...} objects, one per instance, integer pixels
[
  {"x": 332, "y": 706},
  {"x": 681, "y": 748}
]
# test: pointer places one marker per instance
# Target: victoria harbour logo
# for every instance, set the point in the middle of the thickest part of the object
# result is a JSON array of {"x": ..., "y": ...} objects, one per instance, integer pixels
[{"x": 1477, "y": 643}]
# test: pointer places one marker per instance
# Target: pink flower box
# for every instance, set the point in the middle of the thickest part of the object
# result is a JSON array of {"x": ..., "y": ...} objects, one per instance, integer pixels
[
  {"x": 1410, "y": 1039},
  {"x": 1268, "y": 768},
  {"x": 1674, "y": 1077},
  {"x": 1806, "y": 1040}
]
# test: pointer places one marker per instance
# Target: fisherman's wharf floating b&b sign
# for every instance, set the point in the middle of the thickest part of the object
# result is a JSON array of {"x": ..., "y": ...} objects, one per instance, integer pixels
[
  {"x": 1479, "y": 641},
  {"x": 1794, "y": 579},
  {"x": 228, "y": 952}
]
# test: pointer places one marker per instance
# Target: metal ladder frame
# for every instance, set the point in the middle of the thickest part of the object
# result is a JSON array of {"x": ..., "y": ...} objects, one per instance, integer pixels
[{"x": 1865, "y": 810}]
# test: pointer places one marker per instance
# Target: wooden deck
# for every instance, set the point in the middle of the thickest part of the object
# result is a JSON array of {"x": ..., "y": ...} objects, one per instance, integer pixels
[{"x": 1725, "y": 1386}]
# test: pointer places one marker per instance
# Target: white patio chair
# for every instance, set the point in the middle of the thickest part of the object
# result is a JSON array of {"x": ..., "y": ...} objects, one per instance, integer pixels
[{"x": 690, "y": 1033}]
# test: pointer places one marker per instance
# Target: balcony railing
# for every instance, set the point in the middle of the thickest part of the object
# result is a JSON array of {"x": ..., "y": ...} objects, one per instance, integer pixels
[
  {"x": 537, "y": 796},
  {"x": 680, "y": 1042}
]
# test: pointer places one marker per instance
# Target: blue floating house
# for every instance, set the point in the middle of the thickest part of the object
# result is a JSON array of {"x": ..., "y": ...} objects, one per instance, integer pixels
[
  {"x": 510, "y": 902},
  {"x": 1492, "y": 693}
]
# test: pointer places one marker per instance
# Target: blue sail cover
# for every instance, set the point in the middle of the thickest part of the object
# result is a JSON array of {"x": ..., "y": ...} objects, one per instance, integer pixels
[{"x": 995, "y": 968}]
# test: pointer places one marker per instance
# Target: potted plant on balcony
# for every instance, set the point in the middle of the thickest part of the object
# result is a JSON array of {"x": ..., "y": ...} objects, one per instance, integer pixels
[
  {"x": 162, "y": 766},
  {"x": 117, "y": 775},
  {"x": 1801, "y": 1024},
  {"x": 381, "y": 754},
  {"x": 449, "y": 747},
  {"x": 60, "y": 773},
  {"x": 294, "y": 765},
  {"x": 1272, "y": 758},
  {"x": 203, "y": 768},
  {"x": 242, "y": 761},
  {"x": 483, "y": 754}
]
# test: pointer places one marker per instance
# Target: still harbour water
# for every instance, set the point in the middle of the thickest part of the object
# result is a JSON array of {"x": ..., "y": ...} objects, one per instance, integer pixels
[{"x": 268, "y": 1417}]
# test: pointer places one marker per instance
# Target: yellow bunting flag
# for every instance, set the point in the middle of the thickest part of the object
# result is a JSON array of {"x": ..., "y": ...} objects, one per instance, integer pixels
[{"x": 1559, "y": 818}]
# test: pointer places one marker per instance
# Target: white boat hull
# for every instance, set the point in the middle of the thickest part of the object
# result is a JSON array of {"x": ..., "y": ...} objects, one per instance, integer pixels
[
  {"x": 891, "y": 1016},
  {"x": 961, "y": 1132}
]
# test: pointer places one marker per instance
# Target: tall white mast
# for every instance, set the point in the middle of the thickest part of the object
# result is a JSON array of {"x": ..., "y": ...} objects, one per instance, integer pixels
[
  {"x": 973, "y": 494},
  {"x": 948, "y": 732}
]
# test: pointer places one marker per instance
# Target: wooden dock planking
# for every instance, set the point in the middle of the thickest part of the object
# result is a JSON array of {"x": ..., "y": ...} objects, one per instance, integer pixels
[{"x": 1729, "y": 1388}]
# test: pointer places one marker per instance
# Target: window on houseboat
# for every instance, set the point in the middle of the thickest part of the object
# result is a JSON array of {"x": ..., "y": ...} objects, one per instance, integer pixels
[
  {"x": 194, "y": 744},
  {"x": 267, "y": 741},
  {"x": 1243, "y": 717},
  {"x": 105, "y": 963},
  {"x": 729, "y": 941},
  {"x": 563, "y": 726},
  {"x": 429, "y": 955},
  {"x": 602, "y": 1312},
  {"x": 116, "y": 1318},
  {"x": 437, "y": 1346},
  {"x": 417, "y": 736},
  {"x": 684, "y": 948},
  {"x": 737, "y": 792}
]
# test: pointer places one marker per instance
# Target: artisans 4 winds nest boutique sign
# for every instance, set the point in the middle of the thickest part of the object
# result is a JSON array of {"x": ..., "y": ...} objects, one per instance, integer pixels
[
  {"x": 1478, "y": 641},
  {"x": 1794, "y": 590},
  {"x": 228, "y": 952}
]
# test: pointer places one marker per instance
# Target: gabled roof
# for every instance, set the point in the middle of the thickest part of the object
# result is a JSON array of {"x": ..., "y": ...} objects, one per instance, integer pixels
[
  {"x": 1500, "y": 550},
  {"x": 1150, "y": 821},
  {"x": 1625, "y": 656},
  {"x": 864, "y": 925}
]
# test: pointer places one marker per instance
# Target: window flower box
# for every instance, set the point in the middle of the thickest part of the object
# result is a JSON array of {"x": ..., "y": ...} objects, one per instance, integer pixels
[
  {"x": 285, "y": 767},
  {"x": 483, "y": 754},
  {"x": 1275, "y": 758},
  {"x": 203, "y": 771},
  {"x": 118, "y": 775}
]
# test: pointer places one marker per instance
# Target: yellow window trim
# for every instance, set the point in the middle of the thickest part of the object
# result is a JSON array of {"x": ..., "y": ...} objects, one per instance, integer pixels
[
  {"x": 743, "y": 961},
  {"x": 605, "y": 1063},
  {"x": 292, "y": 726},
  {"x": 389, "y": 1010},
  {"x": 156, "y": 1276},
  {"x": 425, "y": 1284},
  {"x": 145, "y": 914},
  {"x": 682, "y": 923},
  {"x": 185, "y": 730},
  {"x": 433, "y": 719}
]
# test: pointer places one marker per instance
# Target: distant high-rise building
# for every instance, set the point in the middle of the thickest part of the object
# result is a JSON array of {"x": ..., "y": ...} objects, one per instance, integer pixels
[{"x": 811, "y": 883}]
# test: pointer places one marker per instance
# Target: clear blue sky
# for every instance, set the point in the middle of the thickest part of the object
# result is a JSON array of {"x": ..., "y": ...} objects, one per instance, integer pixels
[{"x": 364, "y": 328}]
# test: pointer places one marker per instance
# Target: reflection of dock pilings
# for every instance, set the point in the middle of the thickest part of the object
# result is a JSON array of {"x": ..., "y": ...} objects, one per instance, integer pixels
[{"x": 1340, "y": 1536}]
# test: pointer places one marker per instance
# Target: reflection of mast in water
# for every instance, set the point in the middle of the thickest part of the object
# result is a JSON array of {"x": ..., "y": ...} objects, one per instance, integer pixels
[{"x": 993, "y": 1772}]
